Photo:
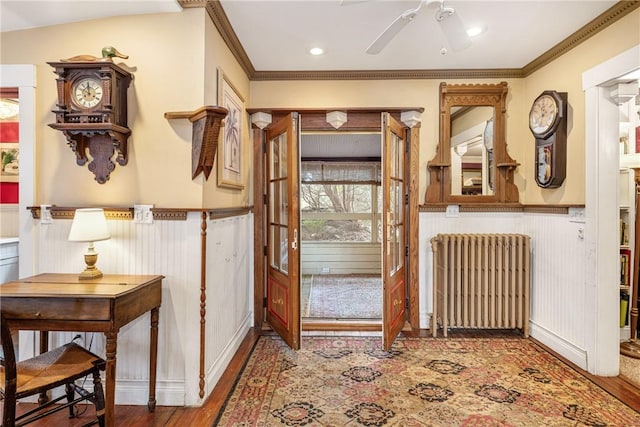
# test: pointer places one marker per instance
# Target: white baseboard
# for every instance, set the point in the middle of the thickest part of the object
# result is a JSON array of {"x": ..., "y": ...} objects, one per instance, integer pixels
[
  {"x": 425, "y": 320},
  {"x": 136, "y": 392},
  {"x": 559, "y": 345},
  {"x": 222, "y": 362}
]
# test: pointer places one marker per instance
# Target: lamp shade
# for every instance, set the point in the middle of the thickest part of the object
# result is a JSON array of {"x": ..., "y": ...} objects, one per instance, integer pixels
[{"x": 89, "y": 225}]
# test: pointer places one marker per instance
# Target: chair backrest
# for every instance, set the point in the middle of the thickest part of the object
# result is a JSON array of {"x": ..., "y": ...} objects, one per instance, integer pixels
[{"x": 9, "y": 357}]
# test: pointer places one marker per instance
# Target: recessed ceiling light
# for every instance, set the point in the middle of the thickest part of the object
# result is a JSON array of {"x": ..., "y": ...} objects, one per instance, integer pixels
[
  {"x": 475, "y": 31},
  {"x": 316, "y": 51}
]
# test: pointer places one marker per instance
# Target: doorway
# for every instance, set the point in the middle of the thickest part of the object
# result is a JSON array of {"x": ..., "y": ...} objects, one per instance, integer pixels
[
  {"x": 277, "y": 223},
  {"x": 341, "y": 228}
]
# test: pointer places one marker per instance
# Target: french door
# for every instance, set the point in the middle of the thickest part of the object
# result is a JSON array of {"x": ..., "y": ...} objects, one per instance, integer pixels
[
  {"x": 283, "y": 222},
  {"x": 394, "y": 204}
]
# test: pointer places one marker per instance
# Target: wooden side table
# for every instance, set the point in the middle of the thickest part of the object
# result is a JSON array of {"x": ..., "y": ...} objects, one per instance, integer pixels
[{"x": 62, "y": 302}]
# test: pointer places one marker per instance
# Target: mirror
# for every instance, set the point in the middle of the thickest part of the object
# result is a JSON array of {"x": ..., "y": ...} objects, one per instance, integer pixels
[
  {"x": 472, "y": 164},
  {"x": 471, "y": 152}
]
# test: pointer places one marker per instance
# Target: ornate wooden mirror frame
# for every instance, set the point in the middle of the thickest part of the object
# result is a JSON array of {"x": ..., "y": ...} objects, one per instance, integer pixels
[{"x": 439, "y": 168}]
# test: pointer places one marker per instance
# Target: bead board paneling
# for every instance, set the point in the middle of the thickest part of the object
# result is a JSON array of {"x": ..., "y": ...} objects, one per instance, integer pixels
[
  {"x": 340, "y": 258},
  {"x": 171, "y": 249},
  {"x": 557, "y": 269},
  {"x": 229, "y": 300},
  {"x": 9, "y": 220},
  {"x": 558, "y": 286}
]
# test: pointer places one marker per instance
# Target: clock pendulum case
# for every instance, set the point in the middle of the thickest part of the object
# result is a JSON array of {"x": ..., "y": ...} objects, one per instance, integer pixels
[
  {"x": 548, "y": 123},
  {"x": 92, "y": 112}
]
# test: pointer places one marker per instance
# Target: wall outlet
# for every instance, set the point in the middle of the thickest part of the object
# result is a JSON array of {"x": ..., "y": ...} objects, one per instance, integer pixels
[
  {"x": 326, "y": 270},
  {"x": 576, "y": 215},
  {"x": 45, "y": 214},
  {"x": 452, "y": 211},
  {"x": 142, "y": 214}
]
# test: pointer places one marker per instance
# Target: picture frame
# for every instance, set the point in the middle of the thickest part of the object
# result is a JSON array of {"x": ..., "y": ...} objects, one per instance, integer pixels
[
  {"x": 625, "y": 267},
  {"x": 10, "y": 164},
  {"x": 230, "y": 148}
]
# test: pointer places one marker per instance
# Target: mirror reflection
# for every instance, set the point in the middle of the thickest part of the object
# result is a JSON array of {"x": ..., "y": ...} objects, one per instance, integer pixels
[{"x": 471, "y": 146}]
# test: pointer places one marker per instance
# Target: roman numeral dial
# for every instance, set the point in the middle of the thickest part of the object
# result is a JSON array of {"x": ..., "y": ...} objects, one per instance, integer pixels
[{"x": 87, "y": 92}]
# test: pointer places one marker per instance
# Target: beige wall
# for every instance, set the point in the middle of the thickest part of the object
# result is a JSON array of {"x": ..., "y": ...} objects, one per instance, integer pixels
[
  {"x": 176, "y": 71},
  {"x": 166, "y": 57},
  {"x": 564, "y": 74},
  {"x": 376, "y": 93},
  {"x": 218, "y": 56}
]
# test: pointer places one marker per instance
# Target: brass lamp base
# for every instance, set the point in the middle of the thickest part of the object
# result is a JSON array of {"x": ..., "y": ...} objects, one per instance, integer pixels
[
  {"x": 91, "y": 272},
  {"x": 630, "y": 348}
]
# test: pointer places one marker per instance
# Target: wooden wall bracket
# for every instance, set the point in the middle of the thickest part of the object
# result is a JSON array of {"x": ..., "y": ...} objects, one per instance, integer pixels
[{"x": 206, "y": 121}]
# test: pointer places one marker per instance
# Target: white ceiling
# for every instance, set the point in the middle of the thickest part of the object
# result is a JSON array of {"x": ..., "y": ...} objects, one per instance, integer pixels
[{"x": 276, "y": 34}]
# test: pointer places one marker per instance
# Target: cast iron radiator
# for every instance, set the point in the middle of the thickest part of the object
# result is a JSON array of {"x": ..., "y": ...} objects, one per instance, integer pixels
[{"x": 481, "y": 281}]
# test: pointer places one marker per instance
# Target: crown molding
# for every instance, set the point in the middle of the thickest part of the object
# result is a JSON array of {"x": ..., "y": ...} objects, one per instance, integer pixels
[
  {"x": 606, "y": 18},
  {"x": 220, "y": 20},
  {"x": 186, "y": 4},
  {"x": 388, "y": 74}
]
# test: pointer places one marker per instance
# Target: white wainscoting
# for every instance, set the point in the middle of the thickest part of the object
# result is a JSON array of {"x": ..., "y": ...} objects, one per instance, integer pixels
[
  {"x": 340, "y": 258},
  {"x": 558, "y": 271},
  {"x": 172, "y": 249},
  {"x": 9, "y": 220}
]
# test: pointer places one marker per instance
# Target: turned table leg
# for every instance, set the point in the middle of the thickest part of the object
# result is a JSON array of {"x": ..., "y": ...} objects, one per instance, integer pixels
[{"x": 153, "y": 358}]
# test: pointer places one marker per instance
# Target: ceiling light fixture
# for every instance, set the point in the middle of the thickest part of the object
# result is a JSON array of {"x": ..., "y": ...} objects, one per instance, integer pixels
[
  {"x": 261, "y": 119},
  {"x": 336, "y": 118},
  {"x": 475, "y": 31},
  {"x": 9, "y": 108},
  {"x": 316, "y": 51}
]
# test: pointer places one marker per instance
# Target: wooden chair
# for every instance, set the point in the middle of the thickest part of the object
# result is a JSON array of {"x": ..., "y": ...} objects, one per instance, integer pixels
[{"x": 61, "y": 366}]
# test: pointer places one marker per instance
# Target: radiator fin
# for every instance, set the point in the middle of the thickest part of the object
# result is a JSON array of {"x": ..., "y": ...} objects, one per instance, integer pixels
[{"x": 481, "y": 281}]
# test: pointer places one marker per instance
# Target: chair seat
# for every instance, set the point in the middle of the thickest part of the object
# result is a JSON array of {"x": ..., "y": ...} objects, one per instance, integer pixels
[{"x": 54, "y": 368}]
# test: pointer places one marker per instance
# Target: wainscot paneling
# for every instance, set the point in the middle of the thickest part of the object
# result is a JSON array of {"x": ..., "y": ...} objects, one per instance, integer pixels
[
  {"x": 9, "y": 220},
  {"x": 340, "y": 258},
  {"x": 171, "y": 248},
  {"x": 557, "y": 269}
]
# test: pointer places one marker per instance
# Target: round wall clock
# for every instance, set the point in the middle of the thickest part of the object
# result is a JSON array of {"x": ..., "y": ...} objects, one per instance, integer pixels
[
  {"x": 87, "y": 92},
  {"x": 543, "y": 114},
  {"x": 548, "y": 123}
]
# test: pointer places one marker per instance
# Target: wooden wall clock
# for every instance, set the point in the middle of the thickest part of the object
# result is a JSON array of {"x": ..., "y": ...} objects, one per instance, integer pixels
[
  {"x": 548, "y": 123},
  {"x": 92, "y": 112}
]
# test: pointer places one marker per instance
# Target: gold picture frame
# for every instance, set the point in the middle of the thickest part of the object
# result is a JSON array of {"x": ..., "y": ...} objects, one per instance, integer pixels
[
  {"x": 230, "y": 147},
  {"x": 10, "y": 166}
]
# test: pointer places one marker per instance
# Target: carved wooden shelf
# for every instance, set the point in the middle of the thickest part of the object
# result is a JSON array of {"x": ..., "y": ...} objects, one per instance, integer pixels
[
  {"x": 206, "y": 121},
  {"x": 58, "y": 212},
  {"x": 159, "y": 214}
]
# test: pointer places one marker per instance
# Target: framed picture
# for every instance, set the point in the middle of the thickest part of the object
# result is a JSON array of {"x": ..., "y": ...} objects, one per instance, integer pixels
[
  {"x": 9, "y": 153},
  {"x": 625, "y": 267},
  {"x": 230, "y": 145}
]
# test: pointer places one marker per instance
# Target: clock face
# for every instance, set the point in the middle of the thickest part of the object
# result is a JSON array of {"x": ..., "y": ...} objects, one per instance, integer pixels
[
  {"x": 543, "y": 114},
  {"x": 87, "y": 92}
]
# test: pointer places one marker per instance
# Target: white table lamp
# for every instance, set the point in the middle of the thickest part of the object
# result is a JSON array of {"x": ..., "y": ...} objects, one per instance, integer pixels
[{"x": 89, "y": 225}]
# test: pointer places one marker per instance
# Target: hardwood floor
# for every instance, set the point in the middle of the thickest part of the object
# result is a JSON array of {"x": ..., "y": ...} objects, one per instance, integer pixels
[{"x": 137, "y": 416}]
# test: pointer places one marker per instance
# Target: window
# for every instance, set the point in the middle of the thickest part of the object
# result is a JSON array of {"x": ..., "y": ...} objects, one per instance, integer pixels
[{"x": 340, "y": 201}]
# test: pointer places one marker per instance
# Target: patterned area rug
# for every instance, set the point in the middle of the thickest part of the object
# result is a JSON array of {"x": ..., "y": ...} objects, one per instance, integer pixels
[
  {"x": 630, "y": 369},
  {"x": 349, "y": 381},
  {"x": 335, "y": 296}
]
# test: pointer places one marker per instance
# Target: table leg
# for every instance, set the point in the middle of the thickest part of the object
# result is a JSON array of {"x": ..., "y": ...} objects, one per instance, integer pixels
[
  {"x": 110, "y": 382},
  {"x": 44, "y": 347},
  {"x": 153, "y": 358}
]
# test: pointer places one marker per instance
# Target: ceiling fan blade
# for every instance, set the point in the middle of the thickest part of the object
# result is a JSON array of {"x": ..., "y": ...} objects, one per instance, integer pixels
[
  {"x": 350, "y": 2},
  {"x": 390, "y": 32},
  {"x": 453, "y": 29}
]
